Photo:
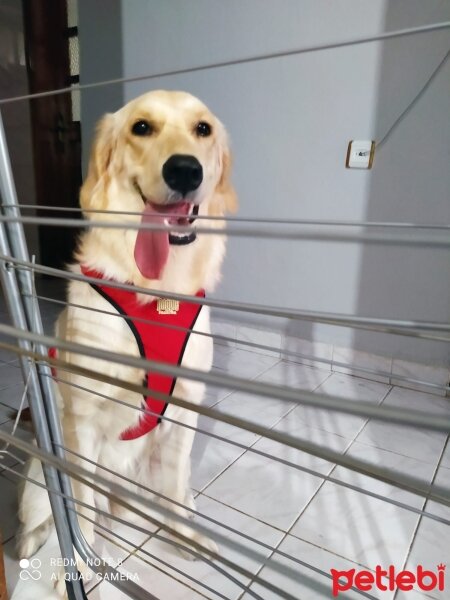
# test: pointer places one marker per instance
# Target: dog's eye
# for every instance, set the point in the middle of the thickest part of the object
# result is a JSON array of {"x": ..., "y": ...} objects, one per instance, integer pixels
[
  {"x": 203, "y": 129},
  {"x": 142, "y": 128}
]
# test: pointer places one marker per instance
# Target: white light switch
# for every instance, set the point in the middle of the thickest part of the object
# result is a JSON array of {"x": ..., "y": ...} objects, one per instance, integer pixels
[{"x": 360, "y": 154}]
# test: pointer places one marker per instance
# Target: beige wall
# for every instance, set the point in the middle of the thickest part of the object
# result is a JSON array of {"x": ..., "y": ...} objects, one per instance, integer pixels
[{"x": 290, "y": 120}]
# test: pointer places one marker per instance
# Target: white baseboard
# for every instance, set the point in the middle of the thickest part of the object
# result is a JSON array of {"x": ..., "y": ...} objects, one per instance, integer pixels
[{"x": 340, "y": 359}]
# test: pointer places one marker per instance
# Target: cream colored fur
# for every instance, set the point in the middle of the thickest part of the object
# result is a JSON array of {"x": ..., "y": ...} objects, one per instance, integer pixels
[{"x": 119, "y": 163}]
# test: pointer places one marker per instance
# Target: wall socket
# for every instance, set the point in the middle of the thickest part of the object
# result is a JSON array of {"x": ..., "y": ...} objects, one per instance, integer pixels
[{"x": 360, "y": 154}]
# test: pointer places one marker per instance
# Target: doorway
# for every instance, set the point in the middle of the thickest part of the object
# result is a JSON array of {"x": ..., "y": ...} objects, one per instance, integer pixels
[{"x": 52, "y": 59}]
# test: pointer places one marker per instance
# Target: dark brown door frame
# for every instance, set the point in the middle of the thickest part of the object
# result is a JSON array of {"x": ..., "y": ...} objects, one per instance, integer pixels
[{"x": 56, "y": 137}]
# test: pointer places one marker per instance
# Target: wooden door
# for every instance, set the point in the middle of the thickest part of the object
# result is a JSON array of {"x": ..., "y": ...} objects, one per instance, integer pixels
[{"x": 55, "y": 124}]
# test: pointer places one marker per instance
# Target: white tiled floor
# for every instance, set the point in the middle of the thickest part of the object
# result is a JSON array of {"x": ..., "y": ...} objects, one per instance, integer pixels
[{"x": 315, "y": 522}]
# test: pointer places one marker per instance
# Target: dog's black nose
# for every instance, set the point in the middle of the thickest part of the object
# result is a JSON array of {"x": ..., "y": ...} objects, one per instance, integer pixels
[{"x": 182, "y": 173}]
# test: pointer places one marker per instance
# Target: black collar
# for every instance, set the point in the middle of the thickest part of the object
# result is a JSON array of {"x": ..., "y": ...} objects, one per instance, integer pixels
[{"x": 182, "y": 240}]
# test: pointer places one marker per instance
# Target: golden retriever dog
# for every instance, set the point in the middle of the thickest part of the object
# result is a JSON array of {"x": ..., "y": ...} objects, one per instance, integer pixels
[{"x": 165, "y": 157}]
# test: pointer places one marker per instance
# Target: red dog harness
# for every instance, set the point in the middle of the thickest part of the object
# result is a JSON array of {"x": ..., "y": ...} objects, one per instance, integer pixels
[{"x": 156, "y": 343}]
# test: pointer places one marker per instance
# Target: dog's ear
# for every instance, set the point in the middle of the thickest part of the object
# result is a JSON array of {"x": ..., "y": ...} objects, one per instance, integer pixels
[
  {"x": 92, "y": 192},
  {"x": 225, "y": 189}
]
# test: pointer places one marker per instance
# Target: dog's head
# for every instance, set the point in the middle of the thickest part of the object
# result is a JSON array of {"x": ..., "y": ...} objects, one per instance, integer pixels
[{"x": 164, "y": 155}]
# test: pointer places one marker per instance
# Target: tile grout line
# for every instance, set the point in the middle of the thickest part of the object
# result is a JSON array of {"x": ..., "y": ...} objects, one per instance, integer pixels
[
  {"x": 159, "y": 530},
  {"x": 242, "y": 512},
  {"x": 147, "y": 561},
  {"x": 393, "y": 387},
  {"x": 363, "y": 426},
  {"x": 259, "y": 437},
  {"x": 288, "y": 532},
  {"x": 131, "y": 554},
  {"x": 123, "y": 561},
  {"x": 425, "y": 502},
  {"x": 351, "y": 442},
  {"x": 252, "y": 379},
  {"x": 201, "y": 492},
  {"x": 285, "y": 533},
  {"x": 282, "y": 417},
  {"x": 243, "y": 450}
]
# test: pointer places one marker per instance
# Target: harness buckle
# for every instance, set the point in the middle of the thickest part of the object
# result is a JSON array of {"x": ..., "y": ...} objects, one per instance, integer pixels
[{"x": 167, "y": 306}]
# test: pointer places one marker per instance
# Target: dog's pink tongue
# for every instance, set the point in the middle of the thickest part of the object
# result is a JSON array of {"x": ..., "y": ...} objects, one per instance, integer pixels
[
  {"x": 151, "y": 250},
  {"x": 152, "y": 247}
]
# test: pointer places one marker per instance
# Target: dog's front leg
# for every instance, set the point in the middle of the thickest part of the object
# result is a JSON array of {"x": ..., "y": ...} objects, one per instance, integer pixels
[{"x": 176, "y": 469}]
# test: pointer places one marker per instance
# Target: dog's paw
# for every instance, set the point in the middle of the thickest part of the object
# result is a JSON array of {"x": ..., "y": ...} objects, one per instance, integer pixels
[
  {"x": 29, "y": 543},
  {"x": 60, "y": 586},
  {"x": 209, "y": 548},
  {"x": 190, "y": 504}
]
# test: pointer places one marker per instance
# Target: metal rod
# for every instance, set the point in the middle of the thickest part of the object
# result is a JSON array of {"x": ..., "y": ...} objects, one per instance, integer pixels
[
  {"x": 154, "y": 535},
  {"x": 102, "y": 564},
  {"x": 251, "y": 449},
  {"x": 31, "y": 310},
  {"x": 284, "y": 352},
  {"x": 267, "y": 220},
  {"x": 418, "y": 419},
  {"x": 104, "y": 568},
  {"x": 408, "y": 483},
  {"x": 283, "y": 461},
  {"x": 245, "y": 448},
  {"x": 178, "y": 546},
  {"x": 435, "y": 241},
  {"x": 117, "y": 493},
  {"x": 353, "y": 41},
  {"x": 384, "y": 325},
  {"x": 22, "y": 320}
]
